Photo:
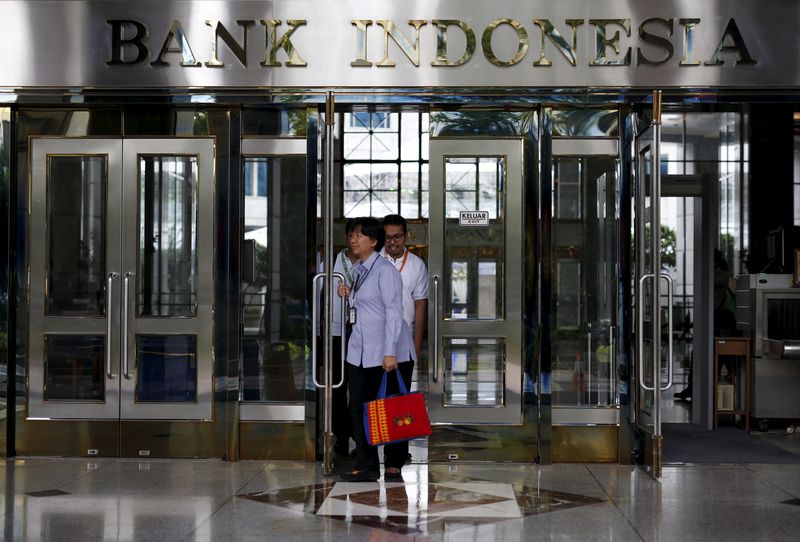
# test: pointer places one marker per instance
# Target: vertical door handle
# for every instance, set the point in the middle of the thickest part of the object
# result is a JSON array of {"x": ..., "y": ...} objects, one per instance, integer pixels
[
  {"x": 670, "y": 288},
  {"x": 612, "y": 367},
  {"x": 109, "y": 321},
  {"x": 315, "y": 329},
  {"x": 640, "y": 310},
  {"x": 125, "y": 298},
  {"x": 435, "y": 371},
  {"x": 342, "y": 329},
  {"x": 589, "y": 369}
]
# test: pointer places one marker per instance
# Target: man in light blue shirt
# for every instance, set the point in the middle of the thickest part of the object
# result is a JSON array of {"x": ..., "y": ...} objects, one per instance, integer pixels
[{"x": 380, "y": 341}]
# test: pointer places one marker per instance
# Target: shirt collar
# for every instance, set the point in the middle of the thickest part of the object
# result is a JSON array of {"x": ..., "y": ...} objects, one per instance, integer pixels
[
  {"x": 388, "y": 257},
  {"x": 366, "y": 266}
]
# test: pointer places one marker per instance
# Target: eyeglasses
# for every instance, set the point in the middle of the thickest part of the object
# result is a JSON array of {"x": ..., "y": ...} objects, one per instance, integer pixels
[{"x": 395, "y": 237}]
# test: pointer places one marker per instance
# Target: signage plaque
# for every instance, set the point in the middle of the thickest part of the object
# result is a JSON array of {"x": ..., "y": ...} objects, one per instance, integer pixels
[
  {"x": 473, "y": 218},
  {"x": 392, "y": 43}
]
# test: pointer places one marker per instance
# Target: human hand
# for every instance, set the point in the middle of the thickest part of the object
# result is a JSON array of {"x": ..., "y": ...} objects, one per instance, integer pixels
[
  {"x": 389, "y": 363},
  {"x": 344, "y": 290}
]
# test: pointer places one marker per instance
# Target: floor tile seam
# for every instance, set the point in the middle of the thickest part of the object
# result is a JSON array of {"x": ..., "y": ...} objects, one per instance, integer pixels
[
  {"x": 770, "y": 482},
  {"x": 88, "y": 472},
  {"x": 237, "y": 490},
  {"x": 616, "y": 506},
  {"x": 191, "y": 535}
]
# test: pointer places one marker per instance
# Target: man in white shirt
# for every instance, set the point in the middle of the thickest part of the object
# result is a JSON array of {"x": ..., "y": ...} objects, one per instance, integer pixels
[{"x": 413, "y": 272}]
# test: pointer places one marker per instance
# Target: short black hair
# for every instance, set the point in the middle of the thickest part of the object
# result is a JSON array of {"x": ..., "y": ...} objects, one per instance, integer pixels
[
  {"x": 372, "y": 228},
  {"x": 395, "y": 220},
  {"x": 349, "y": 226}
]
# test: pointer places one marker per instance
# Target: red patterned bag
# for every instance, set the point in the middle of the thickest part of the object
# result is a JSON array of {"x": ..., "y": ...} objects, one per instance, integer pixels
[{"x": 397, "y": 418}]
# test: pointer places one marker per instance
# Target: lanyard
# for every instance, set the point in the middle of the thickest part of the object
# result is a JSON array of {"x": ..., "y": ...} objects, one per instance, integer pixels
[
  {"x": 405, "y": 257},
  {"x": 360, "y": 281}
]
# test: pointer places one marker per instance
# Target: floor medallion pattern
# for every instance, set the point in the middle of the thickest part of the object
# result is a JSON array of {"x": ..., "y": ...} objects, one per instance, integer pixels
[{"x": 421, "y": 507}]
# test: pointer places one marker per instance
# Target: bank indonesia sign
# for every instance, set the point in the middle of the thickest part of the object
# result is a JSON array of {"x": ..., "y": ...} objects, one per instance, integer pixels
[{"x": 400, "y": 43}]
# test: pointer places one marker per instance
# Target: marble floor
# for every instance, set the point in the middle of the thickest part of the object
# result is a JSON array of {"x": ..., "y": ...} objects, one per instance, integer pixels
[{"x": 203, "y": 500}]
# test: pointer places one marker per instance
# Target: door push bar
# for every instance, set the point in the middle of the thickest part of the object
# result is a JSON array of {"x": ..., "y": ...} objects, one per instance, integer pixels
[
  {"x": 668, "y": 279},
  {"x": 314, "y": 330},
  {"x": 435, "y": 328},
  {"x": 109, "y": 312}
]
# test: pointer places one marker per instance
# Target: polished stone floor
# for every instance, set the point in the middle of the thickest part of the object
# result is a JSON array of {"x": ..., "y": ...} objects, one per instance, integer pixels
[{"x": 204, "y": 500}]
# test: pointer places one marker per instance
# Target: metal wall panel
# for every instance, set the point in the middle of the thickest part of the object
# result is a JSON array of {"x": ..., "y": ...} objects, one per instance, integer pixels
[{"x": 69, "y": 44}]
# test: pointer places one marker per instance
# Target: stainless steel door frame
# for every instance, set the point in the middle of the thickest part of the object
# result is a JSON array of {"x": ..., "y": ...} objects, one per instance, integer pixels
[
  {"x": 272, "y": 411},
  {"x": 121, "y": 216},
  {"x": 509, "y": 327},
  {"x": 41, "y": 324},
  {"x": 200, "y": 324},
  {"x": 647, "y": 255}
]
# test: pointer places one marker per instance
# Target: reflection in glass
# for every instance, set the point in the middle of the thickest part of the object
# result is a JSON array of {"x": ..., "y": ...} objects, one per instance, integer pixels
[
  {"x": 567, "y": 187},
  {"x": 167, "y": 281},
  {"x": 585, "y": 122},
  {"x": 74, "y": 367},
  {"x": 166, "y": 368},
  {"x": 275, "y": 122},
  {"x": 273, "y": 299},
  {"x": 585, "y": 278},
  {"x": 474, "y": 255},
  {"x": 474, "y": 372},
  {"x": 76, "y": 241},
  {"x": 483, "y": 123}
]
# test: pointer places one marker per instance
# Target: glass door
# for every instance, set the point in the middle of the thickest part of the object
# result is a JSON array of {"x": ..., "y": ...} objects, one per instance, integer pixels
[
  {"x": 648, "y": 284},
  {"x": 476, "y": 239},
  {"x": 167, "y": 279},
  {"x": 121, "y": 279},
  {"x": 74, "y": 347}
]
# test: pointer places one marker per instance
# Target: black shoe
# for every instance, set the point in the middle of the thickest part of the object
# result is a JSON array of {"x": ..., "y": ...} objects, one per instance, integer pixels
[
  {"x": 683, "y": 395},
  {"x": 360, "y": 476},
  {"x": 392, "y": 476}
]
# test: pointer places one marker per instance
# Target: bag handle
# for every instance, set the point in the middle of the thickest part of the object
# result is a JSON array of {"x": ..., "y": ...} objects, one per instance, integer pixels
[{"x": 400, "y": 384}]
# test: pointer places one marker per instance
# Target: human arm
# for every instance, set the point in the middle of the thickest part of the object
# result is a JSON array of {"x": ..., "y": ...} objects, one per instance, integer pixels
[
  {"x": 420, "y": 309},
  {"x": 391, "y": 291}
]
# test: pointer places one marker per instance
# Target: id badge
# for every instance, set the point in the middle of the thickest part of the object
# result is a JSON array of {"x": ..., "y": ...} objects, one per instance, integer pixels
[{"x": 352, "y": 319}]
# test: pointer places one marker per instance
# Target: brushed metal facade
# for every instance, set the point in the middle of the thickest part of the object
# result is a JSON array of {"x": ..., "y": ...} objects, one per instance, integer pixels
[{"x": 406, "y": 44}]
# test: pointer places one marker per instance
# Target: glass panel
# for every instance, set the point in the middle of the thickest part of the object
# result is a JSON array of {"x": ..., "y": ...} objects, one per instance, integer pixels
[
  {"x": 76, "y": 241},
  {"x": 712, "y": 136},
  {"x": 482, "y": 123},
  {"x": 166, "y": 368},
  {"x": 474, "y": 255},
  {"x": 275, "y": 122},
  {"x": 585, "y": 249},
  {"x": 567, "y": 187},
  {"x": 74, "y": 367},
  {"x": 568, "y": 294},
  {"x": 371, "y": 189},
  {"x": 371, "y": 136},
  {"x": 5, "y": 187},
  {"x": 273, "y": 299},
  {"x": 474, "y": 373},
  {"x": 409, "y": 190},
  {"x": 585, "y": 122},
  {"x": 167, "y": 279},
  {"x": 672, "y": 137}
]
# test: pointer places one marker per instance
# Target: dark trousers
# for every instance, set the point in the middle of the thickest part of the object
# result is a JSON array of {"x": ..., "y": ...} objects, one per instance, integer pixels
[
  {"x": 342, "y": 426},
  {"x": 364, "y": 385}
]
